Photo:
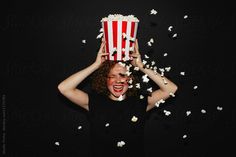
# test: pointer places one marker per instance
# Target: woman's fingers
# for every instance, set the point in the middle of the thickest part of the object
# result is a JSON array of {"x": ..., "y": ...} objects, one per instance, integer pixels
[
  {"x": 136, "y": 48},
  {"x": 135, "y": 55},
  {"x": 104, "y": 54},
  {"x": 136, "y": 43}
]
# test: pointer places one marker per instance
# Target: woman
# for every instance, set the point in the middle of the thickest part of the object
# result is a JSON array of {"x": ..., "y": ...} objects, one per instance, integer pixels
[{"x": 116, "y": 112}]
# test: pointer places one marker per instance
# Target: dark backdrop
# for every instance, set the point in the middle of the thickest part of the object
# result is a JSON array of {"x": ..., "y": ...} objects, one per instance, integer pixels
[{"x": 41, "y": 44}]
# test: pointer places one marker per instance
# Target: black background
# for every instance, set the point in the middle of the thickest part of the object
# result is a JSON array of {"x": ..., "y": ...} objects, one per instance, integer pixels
[{"x": 41, "y": 46}]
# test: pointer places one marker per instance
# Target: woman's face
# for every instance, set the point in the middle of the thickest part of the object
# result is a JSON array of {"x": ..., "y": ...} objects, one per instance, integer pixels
[{"x": 117, "y": 81}]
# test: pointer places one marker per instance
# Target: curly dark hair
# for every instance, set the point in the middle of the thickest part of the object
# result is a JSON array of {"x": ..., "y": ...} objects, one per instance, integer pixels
[{"x": 99, "y": 79}]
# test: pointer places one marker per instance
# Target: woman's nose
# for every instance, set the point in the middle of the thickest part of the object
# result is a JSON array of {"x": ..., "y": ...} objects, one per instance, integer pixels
[{"x": 120, "y": 80}]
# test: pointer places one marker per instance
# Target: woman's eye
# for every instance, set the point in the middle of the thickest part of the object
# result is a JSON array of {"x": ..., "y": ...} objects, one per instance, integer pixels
[{"x": 122, "y": 75}]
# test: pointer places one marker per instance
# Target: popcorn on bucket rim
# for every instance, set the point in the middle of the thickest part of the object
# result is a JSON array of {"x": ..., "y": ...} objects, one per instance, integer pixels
[{"x": 114, "y": 17}]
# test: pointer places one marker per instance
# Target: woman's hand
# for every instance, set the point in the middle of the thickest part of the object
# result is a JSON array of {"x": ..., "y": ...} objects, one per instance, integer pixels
[
  {"x": 101, "y": 56},
  {"x": 136, "y": 61}
]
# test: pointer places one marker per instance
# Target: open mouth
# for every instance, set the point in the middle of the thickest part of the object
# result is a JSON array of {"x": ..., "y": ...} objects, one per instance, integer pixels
[{"x": 118, "y": 88}]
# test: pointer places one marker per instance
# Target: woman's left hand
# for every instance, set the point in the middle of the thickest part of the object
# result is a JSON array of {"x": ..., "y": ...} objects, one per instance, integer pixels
[{"x": 136, "y": 57}]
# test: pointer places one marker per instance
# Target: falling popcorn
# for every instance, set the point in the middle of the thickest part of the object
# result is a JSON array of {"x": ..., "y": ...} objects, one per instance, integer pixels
[
  {"x": 149, "y": 89},
  {"x": 131, "y": 49},
  {"x": 130, "y": 81},
  {"x": 167, "y": 113},
  {"x": 120, "y": 144},
  {"x": 101, "y": 30},
  {"x": 172, "y": 94},
  {"x": 184, "y": 136},
  {"x": 134, "y": 119},
  {"x": 149, "y": 43},
  {"x": 57, "y": 143},
  {"x": 167, "y": 69},
  {"x": 132, "y": 39},
  {"x": 121, "y": 64},
  {"x": 195, "y": 87},
  {"x": 145, "y": 78},
  {"x": 155, "y": 71},
  {"x": 146, "y": 56},
  {"x": 157, "y": 104},
  {"x": 153, "y": 63},
  {"x": 182, "y": 73},
  {"x": 79, "y": 127},
  {"x": 165, "y": 82},
  {"x": 162, "y": 74},
  {"x": 121, "y": 97},
  {"x": 141, "y": 96},
  {"x": 84, "y": 41},
  {"x": 219, "y": 108},
  {"x": 170, "y": 28},
  {"x": 174, "y": 36},
  {"x": 137, "y": 85},
  {"x": 114, "y": 50},
  {"x": 147, "y": 66},
  {"x": 151, "y": 40},
  {"x": 129, "y": 66},
  {"x": 185, "y": 16},
  {"x": 188, "y": 113},
  {"x": 136, "y": 68},
  {"x": 99, "y": 36},
  {"x": 162, "y": 69},
  {"x": 165, "y": 54},
  {"x": 126, "y": 37},
  {"x": 153, "y": 12},
  {"x": 144, "y": 62},
  {"x": 107, "y": 124},
  {"x": 128, "y": 73},
  {"x": 130, "y": 86},
  {"x": 125, "y": 59},
  {"x": 161, "y": 101},
  {"x": 203, "y": 111}
]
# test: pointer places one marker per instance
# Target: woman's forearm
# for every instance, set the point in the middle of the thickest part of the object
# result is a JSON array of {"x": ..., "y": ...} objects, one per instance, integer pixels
[{"x": 74, "y": 80}]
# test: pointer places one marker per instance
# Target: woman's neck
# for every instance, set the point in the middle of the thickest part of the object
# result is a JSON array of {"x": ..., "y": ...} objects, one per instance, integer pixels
[{"x": 120, "y": 98}]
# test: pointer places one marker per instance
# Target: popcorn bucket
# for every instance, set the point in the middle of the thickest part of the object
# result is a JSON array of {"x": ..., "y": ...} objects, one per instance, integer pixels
[{"x": 120, "y": 34}]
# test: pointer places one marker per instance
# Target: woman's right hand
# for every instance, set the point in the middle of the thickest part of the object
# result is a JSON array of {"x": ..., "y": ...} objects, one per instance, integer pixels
[{"x": 101, "y": 56}]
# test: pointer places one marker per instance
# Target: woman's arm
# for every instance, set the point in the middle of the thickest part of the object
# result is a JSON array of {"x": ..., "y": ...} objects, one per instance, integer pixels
[
  {"x": 68, "y": 86},
  {"x": 165, "y": 88}
]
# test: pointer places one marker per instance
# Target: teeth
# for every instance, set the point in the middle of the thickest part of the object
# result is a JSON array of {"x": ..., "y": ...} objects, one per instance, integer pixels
[{"x": 118, "y": 87}]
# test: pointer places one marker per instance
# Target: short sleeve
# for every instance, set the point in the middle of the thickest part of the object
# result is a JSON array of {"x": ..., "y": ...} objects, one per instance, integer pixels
[{"x": 91, "y": 97}]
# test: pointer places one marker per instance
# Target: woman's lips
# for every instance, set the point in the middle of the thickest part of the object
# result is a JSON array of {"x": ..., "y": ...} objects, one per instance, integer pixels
[{"x": 118, "y": 88}]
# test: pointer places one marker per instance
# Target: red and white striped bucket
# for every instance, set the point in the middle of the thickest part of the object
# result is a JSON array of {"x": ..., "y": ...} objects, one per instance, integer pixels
[{"x": 120, "y": 35}]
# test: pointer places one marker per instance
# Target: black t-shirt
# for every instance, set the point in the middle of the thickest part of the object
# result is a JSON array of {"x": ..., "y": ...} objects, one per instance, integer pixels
[{"x": 117, "y": 127}]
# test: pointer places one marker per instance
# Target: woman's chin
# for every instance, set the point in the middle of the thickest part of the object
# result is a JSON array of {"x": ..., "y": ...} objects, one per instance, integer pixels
[{"x": 117, "y": 94}]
